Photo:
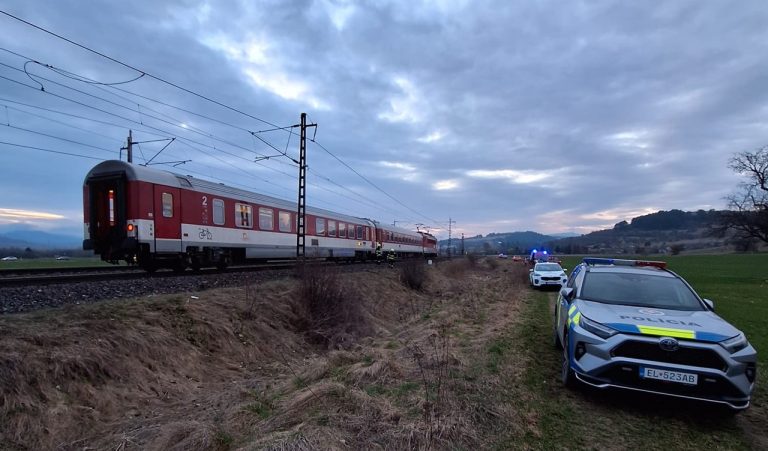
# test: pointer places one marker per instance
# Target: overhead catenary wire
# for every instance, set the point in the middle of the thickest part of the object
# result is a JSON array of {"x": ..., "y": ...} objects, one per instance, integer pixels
[
  {"x": 56, "y": 137},
  {"x": 362, "y": 199},
  {"x": 40, "y": 116},
  {"x": 172, "y": 123},
  {"x": 145, "y": 73},
  {"x": 133, "y": 121},
  {"x": 50, "y": 150},
  {"x": 155, "y": 77},
  {"x": 181, "y": 138},
  {"x": 84, "y": 79},
  {"x": 373, "y": 184}
]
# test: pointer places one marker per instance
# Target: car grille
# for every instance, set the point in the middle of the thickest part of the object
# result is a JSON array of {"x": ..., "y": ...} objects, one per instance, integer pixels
[
  {"x": 705, "y": 358},
  {"x": 708, "y": 387},
  {"x": 550, "y": 278}
]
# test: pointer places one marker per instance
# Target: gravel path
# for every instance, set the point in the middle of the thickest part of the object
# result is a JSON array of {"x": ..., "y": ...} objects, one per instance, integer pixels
[{"x": 25, "y": 299}]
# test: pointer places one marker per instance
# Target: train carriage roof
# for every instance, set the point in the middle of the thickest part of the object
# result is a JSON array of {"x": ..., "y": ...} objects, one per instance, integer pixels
[{"x": 144, "y": 174}]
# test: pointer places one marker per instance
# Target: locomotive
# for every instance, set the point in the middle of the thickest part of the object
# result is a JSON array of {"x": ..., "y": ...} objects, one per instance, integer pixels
[{"x": 158, "y": 219}]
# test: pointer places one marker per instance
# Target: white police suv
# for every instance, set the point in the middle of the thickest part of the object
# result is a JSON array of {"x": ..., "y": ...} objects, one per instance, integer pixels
[
  {"x": 635, "y": 325},
  {"x": 547, "y": 274}
]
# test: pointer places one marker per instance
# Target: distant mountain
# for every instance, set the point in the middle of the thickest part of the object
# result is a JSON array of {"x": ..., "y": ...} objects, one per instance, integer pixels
[
  {"x": 564, "y": 235},
  {"x": 23, "y": 238}
]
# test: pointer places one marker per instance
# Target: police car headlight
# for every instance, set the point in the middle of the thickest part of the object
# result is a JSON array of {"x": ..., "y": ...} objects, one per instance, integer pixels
[
  {"x": 735, "y": 344},
  {"x": 596, "y": 328}
]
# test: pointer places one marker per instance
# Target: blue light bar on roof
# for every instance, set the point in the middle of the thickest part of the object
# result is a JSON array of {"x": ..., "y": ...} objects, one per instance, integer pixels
[
  {"x": 620, "y": 262},
  {"x": 598, "y": 261}
]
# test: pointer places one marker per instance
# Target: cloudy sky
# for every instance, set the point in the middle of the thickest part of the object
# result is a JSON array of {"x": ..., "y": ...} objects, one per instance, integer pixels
[{"x": 504, "y": 116}]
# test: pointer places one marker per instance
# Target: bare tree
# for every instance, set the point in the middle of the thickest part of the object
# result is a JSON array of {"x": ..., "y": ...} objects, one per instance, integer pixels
[{"x": 747, "y": 215}]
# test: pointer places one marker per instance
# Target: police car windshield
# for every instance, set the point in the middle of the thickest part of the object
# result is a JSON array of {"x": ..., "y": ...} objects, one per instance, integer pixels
[
  {"x": 548, "y": 267},
  {"x": 643, "y": 290}
]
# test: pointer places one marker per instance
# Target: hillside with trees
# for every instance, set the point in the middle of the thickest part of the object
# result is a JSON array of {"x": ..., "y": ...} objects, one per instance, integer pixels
[{"x": 663, "y": 232}]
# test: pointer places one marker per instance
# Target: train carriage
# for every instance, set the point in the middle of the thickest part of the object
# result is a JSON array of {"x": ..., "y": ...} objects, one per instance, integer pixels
[
  {"x": 156, "y": 218},
  {"x": 403, "y": 242},
  {"x": 159, "y": 219}
]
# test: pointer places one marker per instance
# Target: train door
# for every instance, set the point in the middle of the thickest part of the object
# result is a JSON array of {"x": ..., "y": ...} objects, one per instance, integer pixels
[
  {"x": 107, "y": 219},
  {"x": 167, "y": 214}
]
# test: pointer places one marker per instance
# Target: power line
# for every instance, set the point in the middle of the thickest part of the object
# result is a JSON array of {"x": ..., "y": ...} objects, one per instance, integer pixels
[
  {"x": 181, "y": 138},
  {"x": 50, "y": 150},
  {"x": 144, "y": 73},
  {"x": 175, "y": 124},
  {"x": 59, "y": 122},
  {"x": 76, "y": 116},
  {"x": 173, "y": 121},
  {"x": 189, "y": 91},
  {"x": 129, "y": 119},
  {"x": 57, "y": 137},
  {"x": 373, "y": 184}
]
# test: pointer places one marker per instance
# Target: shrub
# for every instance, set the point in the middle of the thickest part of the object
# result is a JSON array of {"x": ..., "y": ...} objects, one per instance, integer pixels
[
  {"x": 456, "y": 268},
  {"x": 326, "y": 311},
  {"x": 413, "y": 274}
]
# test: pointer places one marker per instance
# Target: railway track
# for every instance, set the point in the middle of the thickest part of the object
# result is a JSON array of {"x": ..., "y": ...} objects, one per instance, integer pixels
[
  {"x": 42, "y": 276},
  {"x": 29, "y": 291}
]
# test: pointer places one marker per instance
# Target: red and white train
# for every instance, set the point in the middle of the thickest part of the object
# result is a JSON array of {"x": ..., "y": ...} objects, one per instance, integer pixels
[{"x": 156, "y": 219}]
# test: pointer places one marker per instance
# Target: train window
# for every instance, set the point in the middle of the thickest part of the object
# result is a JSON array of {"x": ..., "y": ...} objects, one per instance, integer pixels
[
  {"x": 218, "y": 212},
  {"x": 243, "y": 215},
  {"x": 367, "y": 234},
  {"x": 167, "y": 205},
  {"x": 266, "y": 221},
  {"x": 359, "y": 232},
  {"x": 320, "y": 226},
  {"x": 284, "y": 219},
  {"x": 342, "y": 230},
  {"x": 331, "y": 228}
]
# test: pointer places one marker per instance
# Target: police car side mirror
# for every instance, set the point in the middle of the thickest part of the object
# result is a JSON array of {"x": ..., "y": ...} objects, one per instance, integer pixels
[
  {"x": 567, "y": 293},
  {"x": 710, "y": 304}
]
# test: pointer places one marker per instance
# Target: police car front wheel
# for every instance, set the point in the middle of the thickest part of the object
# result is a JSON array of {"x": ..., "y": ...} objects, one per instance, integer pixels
[{"x": 566, "y": 376}]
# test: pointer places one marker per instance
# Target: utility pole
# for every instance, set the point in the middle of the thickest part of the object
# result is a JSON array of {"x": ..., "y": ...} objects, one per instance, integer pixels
[
  {"x": 462, "y": 244},
  {"x": 450, "y": 241},
  {"x": 302, "y": 203},
  {"x": 130, "y": 146}
]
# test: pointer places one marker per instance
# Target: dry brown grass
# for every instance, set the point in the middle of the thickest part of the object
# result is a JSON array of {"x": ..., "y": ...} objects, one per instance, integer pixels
[
  {"x": 413, "y": 273},
  {"x": 225, "y": 370},
  {"x": 328, "y": 311}
]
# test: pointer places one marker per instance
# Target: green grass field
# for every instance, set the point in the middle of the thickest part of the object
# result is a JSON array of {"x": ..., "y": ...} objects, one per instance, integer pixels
[{"x": 39, "y": 263}]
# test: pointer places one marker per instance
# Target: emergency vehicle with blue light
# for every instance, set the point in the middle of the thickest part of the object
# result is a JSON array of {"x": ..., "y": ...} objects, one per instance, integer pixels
[{"x": 636, "y": 325}]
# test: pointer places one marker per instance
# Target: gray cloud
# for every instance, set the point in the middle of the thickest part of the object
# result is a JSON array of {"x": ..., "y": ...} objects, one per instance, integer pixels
[{"x": 511, "y": 116}]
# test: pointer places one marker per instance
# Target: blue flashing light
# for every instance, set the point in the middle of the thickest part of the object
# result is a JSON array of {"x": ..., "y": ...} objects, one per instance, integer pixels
[
  {"x": 545, "y": 252},
  {"x": 620, "y": 262},
  {"x": 535, "y": 251},
  {"x": 598, "y": 261}
]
